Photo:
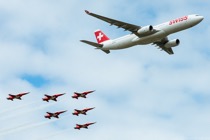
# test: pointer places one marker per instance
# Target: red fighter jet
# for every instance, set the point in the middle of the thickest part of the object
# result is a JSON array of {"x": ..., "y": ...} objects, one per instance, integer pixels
[
  {"x": 18, "y": 96},
  {"x": 84, "y": 111},
  {"x": 78, "y": 126},
  {"x": 53, "y": 97},
  {"x": 55, "y": 115},
  {"x": 83, "y": 94}
]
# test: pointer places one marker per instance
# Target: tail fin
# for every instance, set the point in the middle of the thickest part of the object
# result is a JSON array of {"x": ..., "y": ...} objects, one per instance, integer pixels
[{"x": 100, "y": 36}]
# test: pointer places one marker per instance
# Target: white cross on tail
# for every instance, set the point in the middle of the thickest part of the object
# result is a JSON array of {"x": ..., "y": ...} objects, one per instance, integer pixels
[{"x": 100, "y": 35}]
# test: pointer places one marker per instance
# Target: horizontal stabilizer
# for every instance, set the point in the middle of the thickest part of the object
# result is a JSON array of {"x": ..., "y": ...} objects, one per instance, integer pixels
[
  {"x": 98, "y": 46},
  {"x": 106, "y": 51},
  {"x": 92, "y": 43}
]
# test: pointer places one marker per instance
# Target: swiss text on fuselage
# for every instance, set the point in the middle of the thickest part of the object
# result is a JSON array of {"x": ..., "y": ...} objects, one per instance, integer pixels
[{"x": 178, "y": 20}]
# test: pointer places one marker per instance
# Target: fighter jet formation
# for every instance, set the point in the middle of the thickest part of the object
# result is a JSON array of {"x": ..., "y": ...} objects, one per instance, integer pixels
[{"x": 57, "y": 114}]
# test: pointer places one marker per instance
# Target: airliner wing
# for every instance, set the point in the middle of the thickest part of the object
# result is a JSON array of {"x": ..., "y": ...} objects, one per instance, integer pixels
[
  {"x": 127, "y": 26},
  {"x": 161, "y": 43},
  {"x": 168, "y": 50}
]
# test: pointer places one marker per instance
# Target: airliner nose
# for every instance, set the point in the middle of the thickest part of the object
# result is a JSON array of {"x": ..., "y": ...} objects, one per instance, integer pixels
[{"x": 201, "y": 18}]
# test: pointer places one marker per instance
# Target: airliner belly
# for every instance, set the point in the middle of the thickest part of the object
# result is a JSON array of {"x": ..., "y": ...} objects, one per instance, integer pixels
[
  {"x": 131, "y": 40},
  {"x": 120, "y": 43},
  {"x": 151, "y": 38}
]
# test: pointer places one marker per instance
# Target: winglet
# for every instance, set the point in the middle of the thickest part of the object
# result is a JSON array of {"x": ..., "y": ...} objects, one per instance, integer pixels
[{"x": 87, "y": 12}]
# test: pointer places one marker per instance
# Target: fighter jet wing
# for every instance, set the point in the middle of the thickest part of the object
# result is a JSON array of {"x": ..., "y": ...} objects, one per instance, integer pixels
[
  {"x": 77, "y": 110},
  {"x": 47, "y": 95},
  {"x": 57, "y": 95},
  {"x": 161, "y": 43},
  {"x": 127, "y": 26},
  {"x": 87, "y": 124},
  {"x": 78, "y": 94},
  {"x": 80, "y": 125},
  {"x": 24, "y": 93},
  {"x": 60, "y": 112},
  {"x": 49, "y": 113},
  {"x": 12, "y": 95}
]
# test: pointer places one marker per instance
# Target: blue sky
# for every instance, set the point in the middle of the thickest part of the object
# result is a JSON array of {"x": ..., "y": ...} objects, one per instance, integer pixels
[{"x": 140, "y": 92}]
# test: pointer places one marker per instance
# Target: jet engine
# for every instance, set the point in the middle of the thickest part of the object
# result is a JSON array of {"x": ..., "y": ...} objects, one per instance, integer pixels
[
  {"x": 146, "y": 30},
  {"x": 172, "y": 43}
]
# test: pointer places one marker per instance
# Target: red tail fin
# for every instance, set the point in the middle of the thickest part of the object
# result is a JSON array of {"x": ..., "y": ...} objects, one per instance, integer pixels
[{"x": 100, "y": 36}]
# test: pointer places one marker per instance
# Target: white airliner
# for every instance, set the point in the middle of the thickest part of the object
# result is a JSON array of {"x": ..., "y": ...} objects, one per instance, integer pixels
[{"x": 156, "y": 35}]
